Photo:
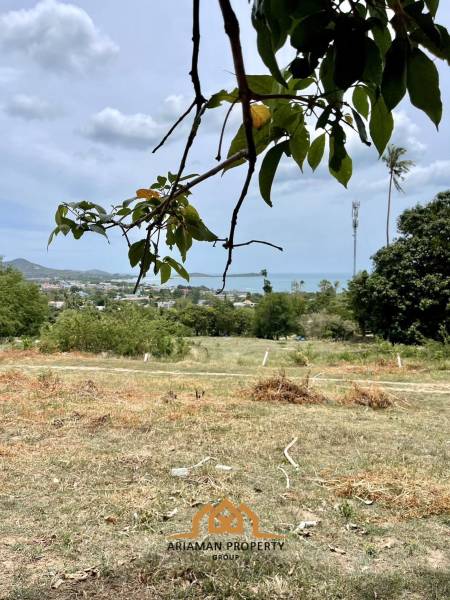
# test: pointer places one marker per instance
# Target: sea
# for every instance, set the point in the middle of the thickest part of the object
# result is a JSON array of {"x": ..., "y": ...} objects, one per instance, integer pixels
[{"x": 281, "y": 282}]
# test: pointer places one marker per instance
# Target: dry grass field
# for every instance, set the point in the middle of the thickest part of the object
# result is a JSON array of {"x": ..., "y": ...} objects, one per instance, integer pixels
[{"x": 88, "y": 500}]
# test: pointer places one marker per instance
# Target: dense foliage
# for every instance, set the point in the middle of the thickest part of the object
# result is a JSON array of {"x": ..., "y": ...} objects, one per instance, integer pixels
[
  {"x": 23, "y": 308},
  {"x": 124, "y": 330},
  {"x": 275, "y": 317},
  {"x": 407, "y": 297},
  {"x": 352, "y": 63},
  {"x": 221, "y": 319}
]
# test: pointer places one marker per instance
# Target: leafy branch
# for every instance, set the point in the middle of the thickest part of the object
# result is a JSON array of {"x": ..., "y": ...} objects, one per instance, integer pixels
[{"x": 354, "y": 62}]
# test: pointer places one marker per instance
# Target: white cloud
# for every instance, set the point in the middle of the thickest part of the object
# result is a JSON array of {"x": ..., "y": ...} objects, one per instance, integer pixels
[
  {"x": 59, "y": 37},
  {"x": 406, "y": 134},
  {"x": 30, "y": 108},
  {"x": 175, "y": 106},
  {"x": 110, "y": 126},
  {"x": 437, "y": 173}
]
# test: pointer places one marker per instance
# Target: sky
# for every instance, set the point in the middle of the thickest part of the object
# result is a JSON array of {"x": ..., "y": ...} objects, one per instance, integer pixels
[{"x": 88, "y": 88}]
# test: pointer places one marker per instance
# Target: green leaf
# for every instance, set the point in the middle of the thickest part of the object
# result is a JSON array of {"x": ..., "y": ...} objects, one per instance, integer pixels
[
  {"x": 196, "y": 227},
  {"x": 302, "y": 84},
  {"x": 393, "y": 85},
  {"x": 316, "y": 151},
  {"x": 442, "y": 50},
  {"x": 265, "y": 47},
  {"x": 261, "y": 84},
  {"x": 135, "y": 252},
  {"x": 165, "y": 271},
  {"x": 373, "y": 69},
  {"x": 268, "y": 169},
  {"x": 361, "y": 128},
  {"x": 284, "y": 115},
  {"x": 182, "y": 240},
  {"x": 222, "y": 96},
  {"x": 381, "y": 124},
  {"x": 382, "y": 37},
  {"x": 433, "y": 5},
  {"x": 340, "y": 164},
  {"x": 324, "y": 117},
  {"x": 350, "y": 54},
  {"x": 327, "y": 68},
  {"x": 53, "y": 234},
  {"x": 98, "y": 229},
  {"x": 423, "y": 85},
  {"x": 299, "y": 144},
  {"x": 262, "y": 138},
  {"x": 311, "y": 35},
  {"x": 177, "y": 267},
  {"x": 361, "y": 101}
]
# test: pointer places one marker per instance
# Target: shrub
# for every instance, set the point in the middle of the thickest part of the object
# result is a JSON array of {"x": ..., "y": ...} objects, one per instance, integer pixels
[
  {"x": 299, "y": 358},
  {"x": 124, "y": 330},
  {"x": 23, "y": 308},
  {"x": 327, "y": 326}
]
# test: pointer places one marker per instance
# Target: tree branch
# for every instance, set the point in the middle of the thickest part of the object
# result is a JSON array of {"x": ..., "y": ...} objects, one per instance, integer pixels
[
  {"x": 200, "y": 103},
  {"x": 231, "y": 25},
  {"x": 227, "y": 116},
  {"x": 174, "y": 126},
  {"x": 259, "y": 242}
]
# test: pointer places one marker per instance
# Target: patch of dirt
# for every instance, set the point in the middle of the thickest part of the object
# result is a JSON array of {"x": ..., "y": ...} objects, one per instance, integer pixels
[{"x": 282, "y": 389}]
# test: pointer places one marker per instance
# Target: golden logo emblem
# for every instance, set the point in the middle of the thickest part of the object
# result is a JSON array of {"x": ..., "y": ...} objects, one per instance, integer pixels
[{"x": 226, "y": 518}]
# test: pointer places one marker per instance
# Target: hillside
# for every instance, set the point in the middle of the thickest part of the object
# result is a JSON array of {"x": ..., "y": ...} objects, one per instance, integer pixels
[{"x": 34, "y": 271}]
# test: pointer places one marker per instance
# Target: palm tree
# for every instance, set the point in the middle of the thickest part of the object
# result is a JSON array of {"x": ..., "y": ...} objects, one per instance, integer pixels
[{"x": 398, "y": 169}]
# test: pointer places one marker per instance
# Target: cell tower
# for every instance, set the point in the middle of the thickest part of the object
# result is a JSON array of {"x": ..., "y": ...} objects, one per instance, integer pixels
[{"x": 355, "y": 222}]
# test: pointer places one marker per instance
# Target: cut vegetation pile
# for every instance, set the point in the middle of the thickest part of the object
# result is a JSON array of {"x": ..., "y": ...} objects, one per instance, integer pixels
[
  {"x": 282, "y": 389},
  {"x": 372, "y": 397},
  {"x": 411, "y": 497}
]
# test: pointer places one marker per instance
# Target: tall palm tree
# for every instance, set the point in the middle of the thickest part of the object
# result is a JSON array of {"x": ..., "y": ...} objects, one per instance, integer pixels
[{"x": 398, "y": 169}]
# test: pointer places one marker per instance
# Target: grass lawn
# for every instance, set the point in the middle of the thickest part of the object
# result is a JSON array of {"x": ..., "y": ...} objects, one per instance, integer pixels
[{"x": 88, "y": 500}]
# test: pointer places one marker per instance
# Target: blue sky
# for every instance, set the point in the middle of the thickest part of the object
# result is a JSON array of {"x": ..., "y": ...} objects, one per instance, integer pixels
[{"x": 87, "y": 88}]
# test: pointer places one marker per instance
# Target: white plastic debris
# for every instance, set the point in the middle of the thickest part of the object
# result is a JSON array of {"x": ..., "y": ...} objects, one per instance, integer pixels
[{"x": 180, "y": 472}]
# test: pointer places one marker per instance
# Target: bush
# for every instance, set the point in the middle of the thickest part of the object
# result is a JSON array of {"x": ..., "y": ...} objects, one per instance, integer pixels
[
  {"x": 23, "y": 308},
  {"x": 275, "y": 317},
  {"x": 299, "y": 358},
  {"x": 124, "y": 330},
  {"x": 326, "y": 326}
]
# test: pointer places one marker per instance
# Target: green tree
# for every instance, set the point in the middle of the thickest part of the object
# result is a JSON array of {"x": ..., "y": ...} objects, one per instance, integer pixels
[
  {"x": 275, "y": 317},
  {"x": 407, "y": 297},
  {"x": 352, "y": 64},
  {"x": 398, "y": 169},
  {"x": 198, "y": 318},
  {"x": 23, "y": 308},
  {"x": 267, "y": 286}
]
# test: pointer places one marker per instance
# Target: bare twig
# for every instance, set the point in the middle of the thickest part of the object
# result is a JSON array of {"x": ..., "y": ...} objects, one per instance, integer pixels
[
  {"x": 200, "y": 104},
  {"x": 288, "y": 456},
  {"x": 258, "y": 242},
  {"x": 219, "y": 151},
  {"x": 231, "y": 25},
  {"x": 174, "y": 126}
]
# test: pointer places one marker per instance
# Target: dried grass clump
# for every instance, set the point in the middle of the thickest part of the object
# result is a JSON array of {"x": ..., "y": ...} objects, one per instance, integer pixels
[
  {"x": 48, "y": 384},
  {"x": 373, "y": 397},
  {"x": 282, "y": 389},
  {"x": 412, "y": 497},
  {"x": 14, "y": 379}
]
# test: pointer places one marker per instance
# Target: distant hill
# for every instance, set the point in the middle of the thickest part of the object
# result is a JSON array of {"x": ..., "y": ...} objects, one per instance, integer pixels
[
  {"x": 34, "y": 271},
  {"x": 229, "y": 275}
]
